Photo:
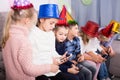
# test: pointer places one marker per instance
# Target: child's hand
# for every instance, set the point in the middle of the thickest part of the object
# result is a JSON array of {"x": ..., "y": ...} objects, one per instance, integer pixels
[
  {"x": 100, "y": 59},
  {"x": 74, "y": 62},
  {"x": 110, "y": 51},
  {"x": 73, "y": 69},
  {"x": 64, "y": 58},
  {"x": 80, "y": 58},
  {"x": 56, "y": 60},
  {"x": 54, "y": 68},
  {"x": 60, "y": 60},
  {"x": 66, "y": 55},
  {"x": 95, "y": 58}
]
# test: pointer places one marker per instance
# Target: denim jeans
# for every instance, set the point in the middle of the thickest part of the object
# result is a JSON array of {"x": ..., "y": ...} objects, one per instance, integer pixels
[
  {"x": 103, "y": 72},
  {"x": 87, "y": 73},
  {"x": 89, "y": 65}
]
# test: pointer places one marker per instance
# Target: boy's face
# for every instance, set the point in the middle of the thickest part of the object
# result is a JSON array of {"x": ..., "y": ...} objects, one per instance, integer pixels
[
  {"x": 61, "y": 34},
  {"x": 48, "y": 24},
  {"x": 74, "y": 30},
  {"x": 102, "y": 38}
]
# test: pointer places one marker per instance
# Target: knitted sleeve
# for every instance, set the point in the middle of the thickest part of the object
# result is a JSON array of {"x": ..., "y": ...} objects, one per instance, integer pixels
[{"x": 25, "y": 60}]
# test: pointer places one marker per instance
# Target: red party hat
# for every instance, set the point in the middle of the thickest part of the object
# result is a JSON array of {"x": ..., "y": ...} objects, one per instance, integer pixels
[
  {"x": 63, "y": 20},
  {"x": 107, "y": 31},
  {"x": 90, "y": 28}
]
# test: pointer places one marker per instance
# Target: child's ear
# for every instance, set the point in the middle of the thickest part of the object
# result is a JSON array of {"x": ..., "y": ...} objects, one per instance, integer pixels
[{"x": 41, "y": 20}]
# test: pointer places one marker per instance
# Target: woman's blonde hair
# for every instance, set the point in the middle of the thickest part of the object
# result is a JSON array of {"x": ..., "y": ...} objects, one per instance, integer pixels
[
  {"x": 83, "y": 36},
  {"x": 15, "y": 15}
]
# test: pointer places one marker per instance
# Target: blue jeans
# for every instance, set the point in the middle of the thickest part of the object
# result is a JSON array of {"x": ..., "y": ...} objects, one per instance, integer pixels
[{"x": 103, "y": 72}]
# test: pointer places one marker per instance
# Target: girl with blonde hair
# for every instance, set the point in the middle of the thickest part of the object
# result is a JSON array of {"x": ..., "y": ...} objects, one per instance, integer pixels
[{"x": 16, "y": 48}]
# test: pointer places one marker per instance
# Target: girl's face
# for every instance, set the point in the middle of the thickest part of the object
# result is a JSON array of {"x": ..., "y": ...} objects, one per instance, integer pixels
[
  {"x": 61, "y": 34},
  {"x": 89, "y": 37},
  {"x": 74, "y": 30},
  {"x": 48, "y": 24}
]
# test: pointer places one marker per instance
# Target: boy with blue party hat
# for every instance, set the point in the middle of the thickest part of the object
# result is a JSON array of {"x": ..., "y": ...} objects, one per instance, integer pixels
[{"x": 43, "y": 42}]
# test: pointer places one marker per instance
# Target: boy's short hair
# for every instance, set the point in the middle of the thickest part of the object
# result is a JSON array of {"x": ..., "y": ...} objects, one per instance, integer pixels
[{"x": 72, "y": 23}]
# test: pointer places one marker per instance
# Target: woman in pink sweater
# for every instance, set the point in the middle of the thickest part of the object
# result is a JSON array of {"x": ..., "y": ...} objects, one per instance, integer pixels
[{"x": 16, "y": 49}]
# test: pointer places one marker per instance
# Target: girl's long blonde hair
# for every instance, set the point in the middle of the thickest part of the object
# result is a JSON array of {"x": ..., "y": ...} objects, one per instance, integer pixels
[
  {"x": 15, "y": 15},
  {"x": 84, "y": 37}
]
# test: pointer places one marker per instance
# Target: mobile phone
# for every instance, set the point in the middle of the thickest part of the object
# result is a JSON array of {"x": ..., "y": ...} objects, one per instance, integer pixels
[
  {"x": 62, "y": 59},
  {"x": 67, "y": 55},
  {"x": 105, "y": 56}
]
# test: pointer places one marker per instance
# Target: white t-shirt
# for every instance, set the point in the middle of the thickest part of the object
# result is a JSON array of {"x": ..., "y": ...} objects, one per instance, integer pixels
[
  {"x": 43, "y": 44},
  {"x": 92, "y": 45}
]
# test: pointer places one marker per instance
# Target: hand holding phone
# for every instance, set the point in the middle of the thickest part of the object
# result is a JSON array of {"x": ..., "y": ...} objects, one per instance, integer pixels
[{"x": 105, "y": 56}]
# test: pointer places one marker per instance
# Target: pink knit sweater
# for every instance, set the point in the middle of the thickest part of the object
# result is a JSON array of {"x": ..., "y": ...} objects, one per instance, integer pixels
[{"x": 17, "y": 56}]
